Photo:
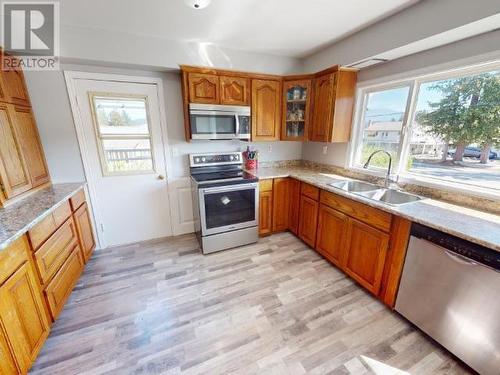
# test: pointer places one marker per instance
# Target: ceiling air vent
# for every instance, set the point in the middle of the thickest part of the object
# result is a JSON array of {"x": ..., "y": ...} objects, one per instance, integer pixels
[{"x": 366, "y": 63}]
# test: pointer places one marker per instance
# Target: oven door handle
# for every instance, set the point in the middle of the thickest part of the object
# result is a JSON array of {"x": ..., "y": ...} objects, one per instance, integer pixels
[
  {"x": 222, "y": 189},
  {"x": 237, "y": 122}
]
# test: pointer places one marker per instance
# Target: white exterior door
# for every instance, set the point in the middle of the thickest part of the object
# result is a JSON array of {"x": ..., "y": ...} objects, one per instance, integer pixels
[{"x": 120, "y": 133}]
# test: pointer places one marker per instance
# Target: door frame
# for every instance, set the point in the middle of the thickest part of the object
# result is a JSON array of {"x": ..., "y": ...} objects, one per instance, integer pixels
[{"x": 71, "y": 78}]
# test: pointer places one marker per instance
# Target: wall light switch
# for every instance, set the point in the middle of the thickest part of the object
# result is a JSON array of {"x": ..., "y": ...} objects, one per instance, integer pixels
[{"x": 325, "y": 150}]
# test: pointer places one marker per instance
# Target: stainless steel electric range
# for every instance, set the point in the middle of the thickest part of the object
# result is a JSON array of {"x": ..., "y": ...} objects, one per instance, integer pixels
[{"x": 225, "y": 201}]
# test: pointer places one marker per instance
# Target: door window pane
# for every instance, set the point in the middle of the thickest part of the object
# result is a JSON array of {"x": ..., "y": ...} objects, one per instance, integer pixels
[
  {"x": 128, "y": 155},
  {"x": 456, "y": 130},
  {"x": 123, "y": 134},
  {"x": 383, "y": 118},
  {"x": 121, "y": 116},
  {"x": 229, "y": 208}
]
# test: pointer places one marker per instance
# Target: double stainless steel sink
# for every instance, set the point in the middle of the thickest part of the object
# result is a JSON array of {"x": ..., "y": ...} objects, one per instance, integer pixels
[{"x": 371, "y": 191}]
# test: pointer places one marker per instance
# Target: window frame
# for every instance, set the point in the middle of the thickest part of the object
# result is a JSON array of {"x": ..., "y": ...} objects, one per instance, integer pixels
[
  {"x": 102, "y": 137},
  {"x": 414, "y": 82}
]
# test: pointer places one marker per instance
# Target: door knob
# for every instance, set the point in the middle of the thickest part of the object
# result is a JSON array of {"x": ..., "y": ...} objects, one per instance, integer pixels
[{"x": 161, "y": 177}]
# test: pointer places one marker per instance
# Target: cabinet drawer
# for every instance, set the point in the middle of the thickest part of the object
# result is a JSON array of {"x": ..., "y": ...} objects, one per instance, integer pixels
[
  {"x": 13, "y": 257},
  {"x": 309, "y": 191},
  {"x": 59, "y": 289},
  {"x": 77, "y": 200},
  {"x": 41, "y": 231},
  {"x": 266, "y": 185},
  {"x": 54, "y": 252},
  {"x": 372, "y": 216}
]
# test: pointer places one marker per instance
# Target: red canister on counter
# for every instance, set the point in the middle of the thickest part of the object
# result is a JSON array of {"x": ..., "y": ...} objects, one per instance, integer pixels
[{"x": 251, "y": 158}]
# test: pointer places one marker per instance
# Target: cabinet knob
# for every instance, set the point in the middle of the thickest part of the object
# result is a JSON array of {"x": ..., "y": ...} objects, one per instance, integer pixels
[{"x": 161, "y": 177}]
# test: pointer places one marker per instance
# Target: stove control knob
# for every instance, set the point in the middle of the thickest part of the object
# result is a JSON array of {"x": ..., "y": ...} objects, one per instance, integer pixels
[
  {"x": 231, "y": 157},
  {"x": 203, "y": 159}
]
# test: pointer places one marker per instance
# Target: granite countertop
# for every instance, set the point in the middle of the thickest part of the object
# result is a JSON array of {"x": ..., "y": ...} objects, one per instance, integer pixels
[
  {"x": 473, "y": 225},
  {"x": 18, "y": 218}
]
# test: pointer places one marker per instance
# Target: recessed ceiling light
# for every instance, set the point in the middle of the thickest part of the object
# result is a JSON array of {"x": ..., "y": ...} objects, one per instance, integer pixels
[{"x": 197, "y": 4}]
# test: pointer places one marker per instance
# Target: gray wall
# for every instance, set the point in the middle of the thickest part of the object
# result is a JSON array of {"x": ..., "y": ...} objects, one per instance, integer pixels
[{"x": 57, "y": 131}]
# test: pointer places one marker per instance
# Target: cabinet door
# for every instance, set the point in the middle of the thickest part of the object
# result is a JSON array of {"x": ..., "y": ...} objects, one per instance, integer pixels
[
  {"x": 234, "y": 90},
  {"x": 23, "y": 316},
  {"x": 293, "y": 219},
  {"x": 13, "y": 169},
  {"x": 60, "y": 287},
  {"x": 332, "y": 229},
  {"x": 85, "y": 233},
  {"x": 265, "y": 212},
  {"x": 308, "y": 220},
  {"x": 203, "y": 88},
  {"x": 296, "y": 110},
  {"x": 7, "y": 364},
  {"x": 366, "y": 252},
  {"x": 323, "y": 107},
  {"x": 12, "y": 86},
  {"x": 29, "y": 139},
  {"x": 280, "y": 204},
  {"x": 343, "y": 107},
  {"x": 266, "y": 110}
]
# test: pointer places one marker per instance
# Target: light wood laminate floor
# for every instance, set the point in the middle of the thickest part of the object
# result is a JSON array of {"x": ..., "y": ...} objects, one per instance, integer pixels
[{"x": 275, "y": 307}]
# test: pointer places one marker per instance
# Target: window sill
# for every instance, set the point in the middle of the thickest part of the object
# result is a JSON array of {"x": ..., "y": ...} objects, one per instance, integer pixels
[{"x": 449, "y": 186}]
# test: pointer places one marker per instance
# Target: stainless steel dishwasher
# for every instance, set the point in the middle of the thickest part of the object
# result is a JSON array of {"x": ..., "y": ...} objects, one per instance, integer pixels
[{"x": 450, "y": 289}]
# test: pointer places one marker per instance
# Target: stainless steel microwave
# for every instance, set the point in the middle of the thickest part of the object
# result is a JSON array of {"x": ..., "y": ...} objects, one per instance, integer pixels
[{"x": 210, "y": 121}]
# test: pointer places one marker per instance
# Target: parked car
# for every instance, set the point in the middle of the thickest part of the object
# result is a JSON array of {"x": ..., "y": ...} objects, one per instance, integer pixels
[{"x": 474, "y": 152}]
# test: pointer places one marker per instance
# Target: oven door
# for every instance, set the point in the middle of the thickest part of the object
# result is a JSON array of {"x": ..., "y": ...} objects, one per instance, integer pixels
[
  {"x": 226, "y": 208},
  {"x": 214, "y": 125}
]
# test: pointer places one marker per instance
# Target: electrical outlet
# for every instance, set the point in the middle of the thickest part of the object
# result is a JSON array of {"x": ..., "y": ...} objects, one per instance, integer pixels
[
  {"x": 270, "y": 148},
  {"x": 175, "y": 151},
  {"x": 325, "y": 150}
]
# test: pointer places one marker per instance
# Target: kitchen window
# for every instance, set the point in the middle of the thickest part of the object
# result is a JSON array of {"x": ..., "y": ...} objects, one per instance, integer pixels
[
  {"x": 123, "y": 134},
  {"x": 440, "y": 128}
]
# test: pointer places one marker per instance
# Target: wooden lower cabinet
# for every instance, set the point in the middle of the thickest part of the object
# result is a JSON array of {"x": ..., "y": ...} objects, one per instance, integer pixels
[
  {"x": 265, "y": 212},
  {"x": 366, "y": 251},
  {"x": 331, "y": 239},
  {"x": 280, "y": 204},
  {"x": 308, "y": 220},
  {"x": 59, "y": 289},
  {"x": 84, "y": 229},
  {"x": 294, "y": 206},
  {"x": 7, "y": 363},
  {"x": 23, "y": 316}
]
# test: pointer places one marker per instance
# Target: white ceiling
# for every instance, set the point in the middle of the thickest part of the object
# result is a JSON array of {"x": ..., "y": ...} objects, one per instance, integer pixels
[{"x": 295, "y": 28}]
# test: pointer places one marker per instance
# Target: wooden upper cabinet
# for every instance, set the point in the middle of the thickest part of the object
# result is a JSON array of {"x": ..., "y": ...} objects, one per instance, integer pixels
[
  {"x": 23, "y": 316},
  {"x": 323, "y": 107},
  {"x": 332, "y": 229},
  {"x": 12, "y": 85},
  {"x": 296, "y": 110},
  {"x": 366, "y": 253},
  {"x": 203, "y": 88},
  {"x": 266, "y": 110},
  {"x": 333, "y": 106},
  {"x": 29, "y": 139},
  {"x": 14, "y": 174},
  {"x": 234, "y": 90},
  {"x": 308, "y": 220}
]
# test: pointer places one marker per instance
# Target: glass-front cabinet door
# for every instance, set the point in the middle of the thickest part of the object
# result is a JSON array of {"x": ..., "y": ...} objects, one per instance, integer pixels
[{"x": 296, "y": 108}]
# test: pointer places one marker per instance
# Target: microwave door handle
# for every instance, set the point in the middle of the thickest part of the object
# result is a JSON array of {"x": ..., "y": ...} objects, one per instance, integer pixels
[{"x": 236, "y": 117}]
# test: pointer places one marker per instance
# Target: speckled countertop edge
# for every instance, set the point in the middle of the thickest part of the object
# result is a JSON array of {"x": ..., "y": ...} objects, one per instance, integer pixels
[
  {"x": 20, "y": 217},
  {"x": 473, "y": 225}
]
